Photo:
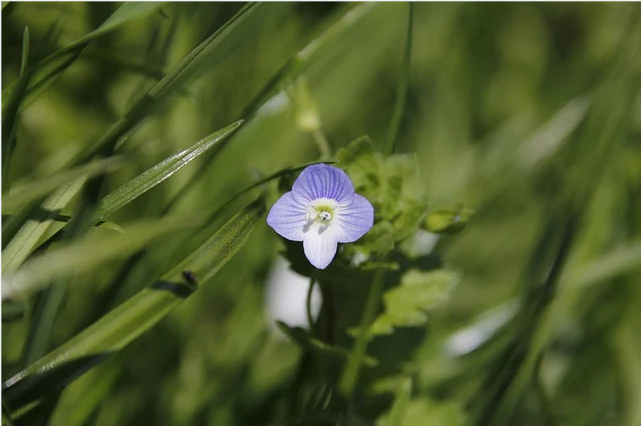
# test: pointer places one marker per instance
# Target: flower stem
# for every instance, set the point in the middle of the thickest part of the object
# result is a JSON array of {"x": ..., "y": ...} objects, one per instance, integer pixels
[
  {"x": 308, "y": 304},
  {"x": 351, "y": 371},
  {"x": 321, "y": 143}
]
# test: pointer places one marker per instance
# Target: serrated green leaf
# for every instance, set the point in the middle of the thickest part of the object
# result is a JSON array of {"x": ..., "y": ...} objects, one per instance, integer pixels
[
  {"x": 394, "y": 188},
  {"x": 161, "y": 171},
  {"x": 25, "y": 193},
  {"x": 303, "y": 337},
  {"x": 407, "y": 303},
  {"x": 28, "y": 236},
  {"x": 141, "y": 312}
]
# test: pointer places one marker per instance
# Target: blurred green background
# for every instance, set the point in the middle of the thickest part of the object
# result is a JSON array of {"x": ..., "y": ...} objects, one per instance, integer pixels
[{"x": 530, "y": 114}]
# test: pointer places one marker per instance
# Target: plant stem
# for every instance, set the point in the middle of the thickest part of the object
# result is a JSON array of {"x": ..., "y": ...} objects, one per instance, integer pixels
[
  {"x": 321, "y": 143},
  {"x": 308, "y": 304},
  {"x": 350, "y": 373}
]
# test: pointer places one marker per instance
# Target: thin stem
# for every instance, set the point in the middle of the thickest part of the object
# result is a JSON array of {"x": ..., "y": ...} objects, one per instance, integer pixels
[
  {"x": 308, "y": 303},
  {"x": 322, "y": 143},
  {"x": 351, "y": 371}
]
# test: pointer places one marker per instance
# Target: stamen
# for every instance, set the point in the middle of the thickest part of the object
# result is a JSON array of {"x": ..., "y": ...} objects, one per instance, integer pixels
[{"x": 324, "y": 216}]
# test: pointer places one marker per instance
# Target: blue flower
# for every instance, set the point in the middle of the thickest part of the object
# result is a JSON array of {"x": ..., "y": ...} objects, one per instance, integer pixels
[{"x": 321, "y": 210}]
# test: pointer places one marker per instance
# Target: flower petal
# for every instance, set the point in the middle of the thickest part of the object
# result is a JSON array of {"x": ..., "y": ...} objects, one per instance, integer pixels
[
  {"x": 353, "y": 221},
  {"x": 320, "y": 246},
  {"x": 323, "y": 181},
  {"x": 287, "y": 217}
]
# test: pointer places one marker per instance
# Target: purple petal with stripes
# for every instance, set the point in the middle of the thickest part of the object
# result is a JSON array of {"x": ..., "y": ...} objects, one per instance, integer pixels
[
  {"x": 323, "y": 181},
  {"x": 354, "y": 220},
  {"x": 287, "y": 217}
]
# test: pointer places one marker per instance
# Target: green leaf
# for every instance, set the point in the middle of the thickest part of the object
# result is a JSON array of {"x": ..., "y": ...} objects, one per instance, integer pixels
[
  {"x": 419, "y": 291},
  {"x": 11, "y": 111},
  {"x": 303, "y": 337},
  {"x": 401, "y": 402},
  {"x": 84, "y": 254},
  {"x": 161, "y": 171},
  {"x": 428, "y": 412},
  {"x": 394, "y": 188},
  {"x": 141, "y": 312},
  {"x": 448, "y": 220},
  {"x": 28, "y": 236},
  {"x": 25, "y": 193}
]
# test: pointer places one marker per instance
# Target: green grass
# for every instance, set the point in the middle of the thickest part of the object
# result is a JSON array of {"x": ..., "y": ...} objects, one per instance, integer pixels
[{"x": 142, "y": 145}]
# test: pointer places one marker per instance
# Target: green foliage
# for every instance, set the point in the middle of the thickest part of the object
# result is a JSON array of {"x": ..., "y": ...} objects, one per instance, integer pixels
[
  {"x": 393, "y": 186},
  {"x": 418, "y": 292},
  {"x": 498, "y": 286}
]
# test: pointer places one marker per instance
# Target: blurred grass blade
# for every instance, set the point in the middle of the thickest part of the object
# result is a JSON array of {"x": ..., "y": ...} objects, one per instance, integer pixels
[
  {"x": 10, "y": 111},
  {"x": 25, "y": 193},
  {"x": 161, "y": 171},
  {"x": 141, "y": 312},
  {"x": 27, "y": 237},
  {"x": 125, "y": 13},
  {"x": 619, "y": 261},
  {"x": 53, "y": 65},
  {"x": 401, "y": 88},
  {"x": 190, "y": 67},
  {"x": 84, "y": 254},
  {"x": 297, "y": 64}
]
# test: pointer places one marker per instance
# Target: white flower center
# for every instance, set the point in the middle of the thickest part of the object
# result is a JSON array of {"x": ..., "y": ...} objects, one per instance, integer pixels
[{"x": 320, "y": 213}]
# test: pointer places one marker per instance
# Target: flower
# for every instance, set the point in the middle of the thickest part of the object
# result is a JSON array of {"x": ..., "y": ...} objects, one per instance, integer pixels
[{"x": 321, "y": 210}]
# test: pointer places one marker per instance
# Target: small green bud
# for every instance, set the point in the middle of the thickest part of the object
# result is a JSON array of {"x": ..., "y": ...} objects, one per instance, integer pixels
[{"x": 448, "y": 221}]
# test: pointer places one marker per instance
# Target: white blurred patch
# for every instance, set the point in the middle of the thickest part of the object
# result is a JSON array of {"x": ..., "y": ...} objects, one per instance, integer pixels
[
  {"x": 423, "y": 243},
  {"x": 287, "y": 297},
  {"x": 484, "y": 327},
  {"x": 275, "y": 105}
]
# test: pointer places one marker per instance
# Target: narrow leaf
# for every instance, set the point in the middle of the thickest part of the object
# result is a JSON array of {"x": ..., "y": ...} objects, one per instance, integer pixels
[
  {"x": 122, "y": 325},
  {"x": 27, "y": 237},
  {"x": 22, "y": 194},
  {"x": 401, "y": 89},
  {"x": 85, "y": 254},
  {"x": 161, "y": 171}
]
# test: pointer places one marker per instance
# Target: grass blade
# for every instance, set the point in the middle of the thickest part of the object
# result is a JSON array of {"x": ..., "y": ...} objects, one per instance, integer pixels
[
  {"x": 161, "y": 171},
  {"x": 53, "y": 65},
  {"x": 11, "y": 110},
  {"x": 401, "y": 90},
  {"x": 21, "y": 195},
  {"x": 85, "y": 254},
  {"x": 28, "y": 236},
  {"x": 189, "y": 68},
  {"x": 125, "y": 323}
]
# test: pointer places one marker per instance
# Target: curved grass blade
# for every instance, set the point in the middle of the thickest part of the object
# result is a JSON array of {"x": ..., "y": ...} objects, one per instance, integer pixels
[
  {"x": 189, "y": 68},
  {"x": 53, "y": 65},
  {"x": 161, "y": 171},
  {"x": 84, "y": 254},
  {"x": 28, "y": 236},
  {"x": 137, "y": 315},
  {"x": 11, "y": 110},
  {"x": 401, "y": 90},
  {"x": 21, "y": 195}
]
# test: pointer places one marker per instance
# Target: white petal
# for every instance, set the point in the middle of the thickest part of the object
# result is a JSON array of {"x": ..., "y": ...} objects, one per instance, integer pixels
[
  {"x": 287, "y": 217},
  {"x": 320, "y": 246},
  {"x": 353, "y": 221}
]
